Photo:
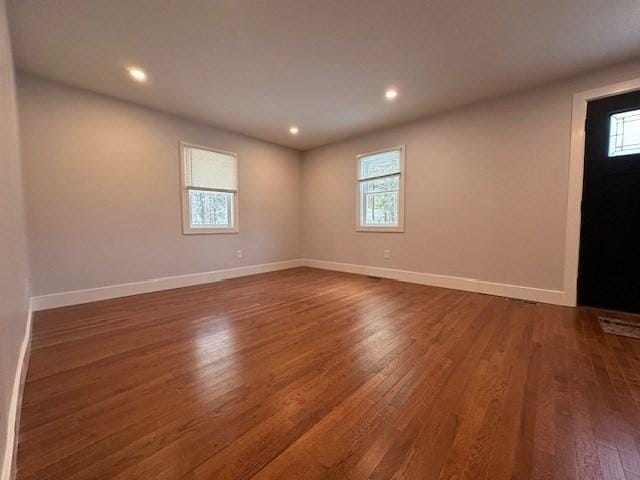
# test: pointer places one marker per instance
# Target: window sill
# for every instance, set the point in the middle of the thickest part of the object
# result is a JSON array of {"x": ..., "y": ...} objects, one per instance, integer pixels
[
  {"x": 381, "y": 229},
  {"x": 208, "y": 231}
]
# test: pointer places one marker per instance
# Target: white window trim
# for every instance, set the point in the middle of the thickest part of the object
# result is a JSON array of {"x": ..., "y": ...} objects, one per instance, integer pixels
[
  {"x": 187, "y": 229},
  {"x": 401, "y": 200}
]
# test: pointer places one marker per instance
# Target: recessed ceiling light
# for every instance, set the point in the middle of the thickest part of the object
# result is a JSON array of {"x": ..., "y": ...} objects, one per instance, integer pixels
[
  {"x": 137, "y": 74},
  {"x": 293, "y": 130},
  {"x": 391, "y": 93}
]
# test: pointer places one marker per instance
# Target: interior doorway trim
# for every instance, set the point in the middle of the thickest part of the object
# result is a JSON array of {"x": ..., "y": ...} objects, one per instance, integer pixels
[{"x": 576, "y": 172}]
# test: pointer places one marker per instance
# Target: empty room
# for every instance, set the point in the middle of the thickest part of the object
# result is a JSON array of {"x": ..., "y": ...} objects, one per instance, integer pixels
[{"x": 319, "y": 239}]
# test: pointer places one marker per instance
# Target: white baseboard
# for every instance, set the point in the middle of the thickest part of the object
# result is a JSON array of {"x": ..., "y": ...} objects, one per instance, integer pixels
[
  {"x": 54, "y": 300},
  {"x": 556, "y": 297},
  {"x": 14, "y": 405},
  {"x": 76, "y": 297}
]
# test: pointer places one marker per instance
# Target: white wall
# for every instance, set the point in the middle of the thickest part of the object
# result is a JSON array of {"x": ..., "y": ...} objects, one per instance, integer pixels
[
  {"x": 103, "y": 192},
  {"x": 13, "y": 261},
  {"x": 486, "y": 190}
]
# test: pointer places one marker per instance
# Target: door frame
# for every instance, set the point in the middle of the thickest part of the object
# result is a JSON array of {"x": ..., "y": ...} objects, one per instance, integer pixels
[{"x": 576, "y": 173}]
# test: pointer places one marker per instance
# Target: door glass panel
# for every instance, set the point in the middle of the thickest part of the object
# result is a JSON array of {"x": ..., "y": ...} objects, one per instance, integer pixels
[{"x": 624, "y": 133}]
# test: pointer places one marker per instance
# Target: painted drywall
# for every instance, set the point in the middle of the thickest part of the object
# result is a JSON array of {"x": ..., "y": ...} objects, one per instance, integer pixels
[
  {"x": 103, "y": 192},
  {"x": 14, "y": 290},
  {"x": 486, "y": 190}
]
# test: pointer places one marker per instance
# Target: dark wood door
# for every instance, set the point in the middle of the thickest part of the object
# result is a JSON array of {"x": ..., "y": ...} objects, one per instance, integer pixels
[{"x": 609, "y": 270}]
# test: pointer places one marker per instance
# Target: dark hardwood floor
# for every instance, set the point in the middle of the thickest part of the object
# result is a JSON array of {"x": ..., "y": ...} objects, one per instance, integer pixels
[{"x": 308, "y": 374}]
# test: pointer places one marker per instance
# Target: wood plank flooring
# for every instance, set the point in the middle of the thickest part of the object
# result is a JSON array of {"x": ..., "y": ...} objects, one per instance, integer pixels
[{"x": 309, "y": 374}]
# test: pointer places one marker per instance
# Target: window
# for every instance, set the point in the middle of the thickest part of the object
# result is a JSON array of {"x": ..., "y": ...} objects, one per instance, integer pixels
[
  {"x": 624, "y": 133},
  {"x": 381, "y": 191},
  {"x": 209, "y": 190}
]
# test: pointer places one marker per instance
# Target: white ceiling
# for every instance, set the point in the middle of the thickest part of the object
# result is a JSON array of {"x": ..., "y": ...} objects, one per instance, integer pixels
[{"x": 258, "y": 66}]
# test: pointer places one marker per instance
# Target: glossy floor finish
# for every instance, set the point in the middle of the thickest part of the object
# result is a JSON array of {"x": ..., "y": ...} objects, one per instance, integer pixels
[{"x": 309, "y": 374}]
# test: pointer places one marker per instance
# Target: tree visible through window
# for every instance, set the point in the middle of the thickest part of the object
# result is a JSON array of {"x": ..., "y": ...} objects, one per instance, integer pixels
[
  {"x": 380, "y": 189},
  {"x": 210, "y": 208}
]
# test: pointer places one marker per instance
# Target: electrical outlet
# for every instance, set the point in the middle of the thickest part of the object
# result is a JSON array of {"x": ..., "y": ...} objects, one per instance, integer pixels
[
  {"x": 387, "y": 254},
  {"x": 238, "y": 254}
]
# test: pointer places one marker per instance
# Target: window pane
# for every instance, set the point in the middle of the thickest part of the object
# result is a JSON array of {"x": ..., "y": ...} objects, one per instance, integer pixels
[
  {"x": 211, "y": 209},
  {"x": 380, "y": 164},
  {"x": 624, "y": 133},
  {"x": 379, "y": 202},
  {"x": 204, "y": 168}
]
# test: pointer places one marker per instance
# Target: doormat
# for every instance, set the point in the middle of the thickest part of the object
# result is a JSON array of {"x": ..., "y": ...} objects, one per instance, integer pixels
[{"x": 618, "y": 326}]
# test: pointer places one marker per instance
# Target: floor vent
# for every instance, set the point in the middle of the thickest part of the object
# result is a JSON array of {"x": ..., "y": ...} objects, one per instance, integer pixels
[
  {"x": 618, "y": 326},
  {"x": 521, "y": 300}
]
